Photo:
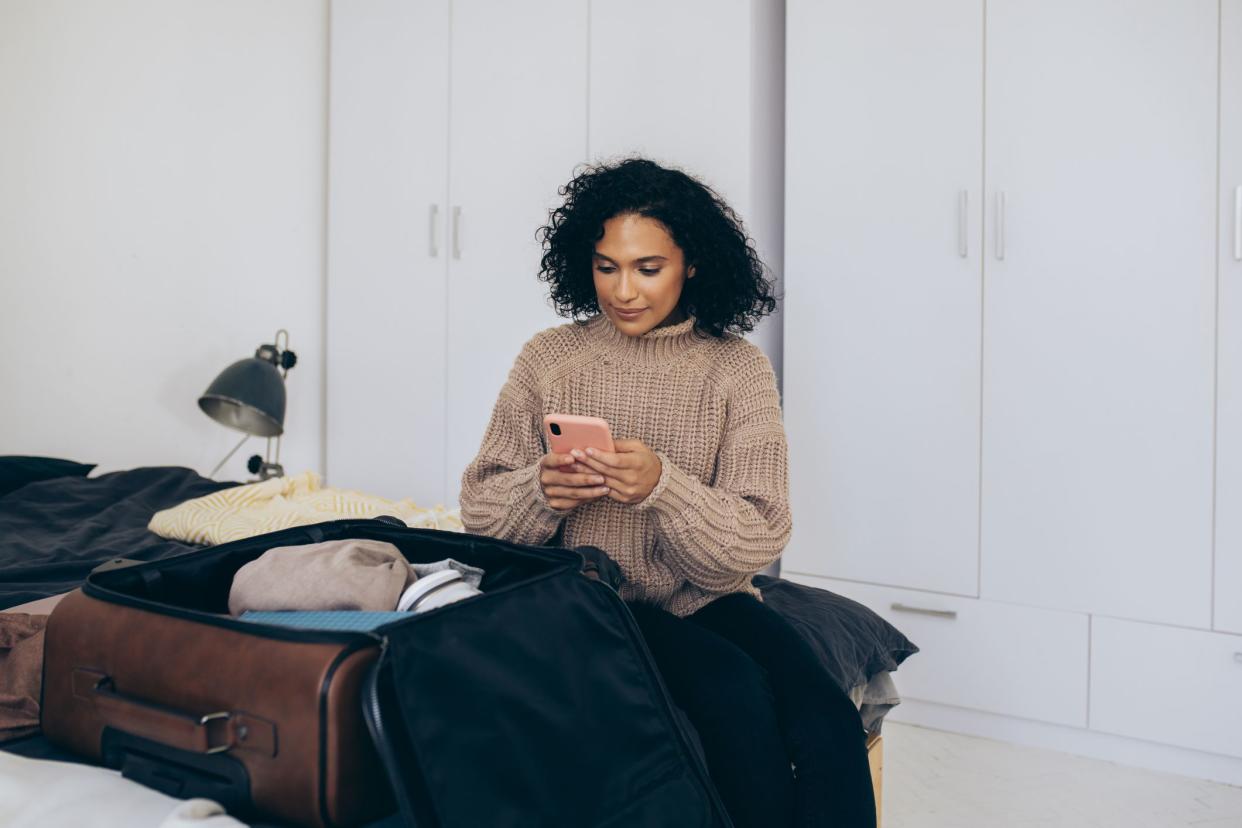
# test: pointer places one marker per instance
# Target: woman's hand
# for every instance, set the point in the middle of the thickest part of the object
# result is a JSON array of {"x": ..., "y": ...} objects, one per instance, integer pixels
[
  {"x": 566, "y": 484},
  {"x": 630, "y": 473}
]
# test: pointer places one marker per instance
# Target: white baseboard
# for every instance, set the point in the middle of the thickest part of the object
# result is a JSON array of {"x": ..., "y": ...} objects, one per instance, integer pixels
[{"x": 1079, "y": 741}]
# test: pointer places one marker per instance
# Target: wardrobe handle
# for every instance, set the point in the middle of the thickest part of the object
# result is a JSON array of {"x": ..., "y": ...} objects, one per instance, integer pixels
[
  {"x": 456, "y": 232},
  {"x": 1237, "y": 657},
  {"x": 1237, "y": 223},
  {"x": 961, "y": 224},
  {"x": 435, "y": 231},
  {"x": 1000, "y": 226},
  {"x": 926, "y": 611}
]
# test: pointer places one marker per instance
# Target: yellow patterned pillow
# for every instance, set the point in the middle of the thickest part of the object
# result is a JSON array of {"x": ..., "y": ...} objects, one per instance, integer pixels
[{"x": 298, "y": 500}]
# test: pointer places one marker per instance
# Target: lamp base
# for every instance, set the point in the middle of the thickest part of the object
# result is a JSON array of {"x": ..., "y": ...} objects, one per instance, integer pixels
[{"x": 265, "y": 471}]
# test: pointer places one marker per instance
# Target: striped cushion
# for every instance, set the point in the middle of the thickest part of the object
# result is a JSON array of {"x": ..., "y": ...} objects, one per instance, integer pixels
[{"x": 282, "y": 502}]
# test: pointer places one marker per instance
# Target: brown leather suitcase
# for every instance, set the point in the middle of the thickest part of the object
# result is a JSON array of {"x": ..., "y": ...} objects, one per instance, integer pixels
[{"x": 278, "y": 721}]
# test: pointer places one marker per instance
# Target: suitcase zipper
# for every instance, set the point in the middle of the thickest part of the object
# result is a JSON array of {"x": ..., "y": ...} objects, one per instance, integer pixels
[
  {"x": 298, "y": 634},
  {"x": 371, "y": 528},
  {"x": 374, "y": 716}
]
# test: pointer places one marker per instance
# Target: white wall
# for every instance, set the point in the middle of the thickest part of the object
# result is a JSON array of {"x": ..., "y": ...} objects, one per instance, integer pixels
[
  {"x": 162, "y": 174},
  {"x": 162, "y": 212}
]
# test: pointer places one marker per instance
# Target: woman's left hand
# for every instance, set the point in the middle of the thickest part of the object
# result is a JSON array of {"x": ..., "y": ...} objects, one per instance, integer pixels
[{"x": 630, "y": 473}]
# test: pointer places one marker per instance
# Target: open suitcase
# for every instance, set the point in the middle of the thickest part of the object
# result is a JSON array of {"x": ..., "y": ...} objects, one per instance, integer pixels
[{"x": 535, "y": 703}]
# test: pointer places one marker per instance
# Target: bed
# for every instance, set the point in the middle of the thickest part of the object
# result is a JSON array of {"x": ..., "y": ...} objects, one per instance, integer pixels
[{"x": 57, "y": 524}]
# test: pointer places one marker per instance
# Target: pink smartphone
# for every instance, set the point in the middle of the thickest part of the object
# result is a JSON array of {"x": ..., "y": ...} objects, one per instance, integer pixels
[{"x": 570, "y": 431}]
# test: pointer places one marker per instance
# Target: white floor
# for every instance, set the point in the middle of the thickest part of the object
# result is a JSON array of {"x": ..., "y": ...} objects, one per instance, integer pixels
[{"x": 934, "y": 779}]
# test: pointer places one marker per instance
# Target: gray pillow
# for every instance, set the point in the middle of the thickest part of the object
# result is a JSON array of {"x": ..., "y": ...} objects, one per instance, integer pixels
[
  {"x": 17, "y": 471},
  {"x": 852, "y": 642}
]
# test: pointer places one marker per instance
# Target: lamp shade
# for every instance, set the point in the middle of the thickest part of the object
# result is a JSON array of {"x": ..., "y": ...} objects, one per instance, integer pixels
[{"x": 249, "y": 396}]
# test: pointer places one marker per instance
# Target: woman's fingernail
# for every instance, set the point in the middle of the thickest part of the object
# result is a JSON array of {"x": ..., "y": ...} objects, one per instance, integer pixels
[
  {"x": 576, "y": 453},
  {"x": 591, "y": 452}
]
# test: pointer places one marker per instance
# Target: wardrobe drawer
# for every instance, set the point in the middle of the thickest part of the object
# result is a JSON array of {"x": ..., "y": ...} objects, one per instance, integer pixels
[
  {"x": 984, "y": 655},
  {"x": 1167, "y": 684}
]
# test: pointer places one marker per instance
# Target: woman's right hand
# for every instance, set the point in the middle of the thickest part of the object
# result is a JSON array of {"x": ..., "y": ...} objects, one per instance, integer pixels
[{"x": 567, "y": 484}]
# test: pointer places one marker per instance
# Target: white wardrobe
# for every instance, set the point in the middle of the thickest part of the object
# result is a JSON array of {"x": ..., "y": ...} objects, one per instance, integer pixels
[
  {"x": 431, "y": 250},
  {"x": 452, "y": 124},
  {"x": 1013, "y": 363}
]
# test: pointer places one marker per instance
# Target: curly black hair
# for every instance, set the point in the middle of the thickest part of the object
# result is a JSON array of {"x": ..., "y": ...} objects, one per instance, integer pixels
[{"x": 730, "y": 289}]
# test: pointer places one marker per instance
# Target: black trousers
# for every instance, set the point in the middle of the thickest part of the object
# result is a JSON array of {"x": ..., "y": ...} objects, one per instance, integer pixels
[{"x": 760, "y": 700}]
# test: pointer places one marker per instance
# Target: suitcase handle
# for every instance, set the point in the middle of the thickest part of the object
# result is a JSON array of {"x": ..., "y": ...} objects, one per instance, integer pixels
[{"x": 208, "y": 733}]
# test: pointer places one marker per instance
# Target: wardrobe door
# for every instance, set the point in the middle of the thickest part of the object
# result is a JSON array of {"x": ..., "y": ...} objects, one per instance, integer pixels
[
  {"x": 1099, "y": 309},
  {"x": 518, "y": 129},
  {"x": 663, "y": 92},
  {"x": 1139, "y": 676},
  {"x": 983, "y": 655},
  {"x": 1229, "y": 348},
  {"x": 386, "y": 248},
  {"x": 882, "y": 328}
]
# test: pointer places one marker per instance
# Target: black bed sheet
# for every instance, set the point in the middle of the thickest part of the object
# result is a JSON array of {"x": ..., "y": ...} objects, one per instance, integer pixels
[{"x": 54, "y": 532}]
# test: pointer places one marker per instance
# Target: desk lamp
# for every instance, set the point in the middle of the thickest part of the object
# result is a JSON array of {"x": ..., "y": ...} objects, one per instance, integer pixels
[{"x": 249, "y": 396}]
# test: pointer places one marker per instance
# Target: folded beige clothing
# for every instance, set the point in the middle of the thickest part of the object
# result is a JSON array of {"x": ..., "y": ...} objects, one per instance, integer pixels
[{"x": 332, "y": 575}]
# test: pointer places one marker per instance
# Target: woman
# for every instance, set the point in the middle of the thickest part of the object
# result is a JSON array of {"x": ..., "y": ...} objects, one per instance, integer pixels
[{"x": 694, "y": 500}]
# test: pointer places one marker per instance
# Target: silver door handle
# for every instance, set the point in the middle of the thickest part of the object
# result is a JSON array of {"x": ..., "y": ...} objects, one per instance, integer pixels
[
  {"x": 925, "y": 611},
  {"x": 1237, "y": 223},
  {"x": 961, "y": 224},
  {"x": 435, "y": 230},
  {"x": 456, "y": 232},
  {"x": 1000, "y": 226}
]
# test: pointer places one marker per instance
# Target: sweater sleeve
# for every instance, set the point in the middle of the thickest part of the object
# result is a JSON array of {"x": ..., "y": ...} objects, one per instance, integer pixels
[
  {"x": 500, "y": 492},
  {"x": 714, "y": 535}
]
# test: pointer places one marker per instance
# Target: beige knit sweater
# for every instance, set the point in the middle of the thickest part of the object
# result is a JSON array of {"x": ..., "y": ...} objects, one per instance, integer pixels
[{"x": 710, "y": 410}]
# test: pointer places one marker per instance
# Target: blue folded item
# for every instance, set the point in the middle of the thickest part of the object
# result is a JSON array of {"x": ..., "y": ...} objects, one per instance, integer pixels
[{"x": 347, "y": 620}]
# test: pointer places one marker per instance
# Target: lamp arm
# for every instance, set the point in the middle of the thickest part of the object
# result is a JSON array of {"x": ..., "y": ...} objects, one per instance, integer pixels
[{"x": 220, "y": 465}]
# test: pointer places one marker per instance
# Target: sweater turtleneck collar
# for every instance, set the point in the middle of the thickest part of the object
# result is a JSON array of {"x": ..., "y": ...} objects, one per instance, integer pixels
[{"x": 658, "y": 346}]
